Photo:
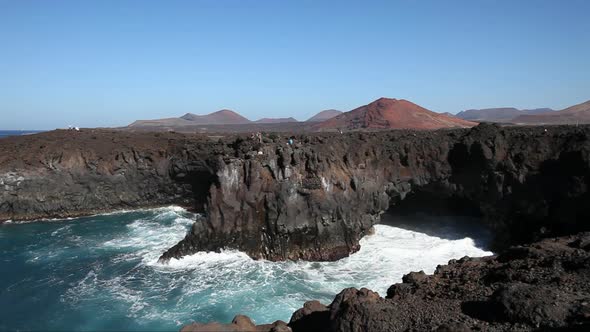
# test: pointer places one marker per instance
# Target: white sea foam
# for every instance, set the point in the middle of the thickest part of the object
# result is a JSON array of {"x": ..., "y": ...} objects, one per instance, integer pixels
[{"x": 216, "y": 286}]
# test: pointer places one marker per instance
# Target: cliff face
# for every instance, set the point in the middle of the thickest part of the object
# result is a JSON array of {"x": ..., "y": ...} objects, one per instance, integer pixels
[
  {"x": 311, "y": 200},
  {"x": 67, "y": 173},
  {"x": 316, "y": 199}
]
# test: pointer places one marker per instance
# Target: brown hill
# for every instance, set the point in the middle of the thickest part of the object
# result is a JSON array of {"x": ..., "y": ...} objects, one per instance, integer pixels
[
  {"x": 324, "y": 115},
  {"x": 385, "y": 113},
  {"x": 501, "y": 115},
  {"x": 572, "y": 115},
  {"x": 168, "y": 123},
  {"x": 215, "y": 118},
  {"x": 276, "y": 120}
]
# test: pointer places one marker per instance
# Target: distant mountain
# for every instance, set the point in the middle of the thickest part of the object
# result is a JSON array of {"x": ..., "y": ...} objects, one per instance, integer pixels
[
  {"x": 168, "y": 122},
  {"x": 579, "y": 113},
  {"x": 216, "y": 118},
  {"x": 276, "y": 120},
  {"x": 504, "y": 114},
  {"x": 385, "y": 113},
  {"x": 449, "y": 114},
  {"x": 324, "y": 115}
]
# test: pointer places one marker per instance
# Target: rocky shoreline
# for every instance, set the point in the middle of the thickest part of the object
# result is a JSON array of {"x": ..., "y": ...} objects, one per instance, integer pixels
[
  {"x": 543, "y": 286},
  {"x": 316, "y": 198}
]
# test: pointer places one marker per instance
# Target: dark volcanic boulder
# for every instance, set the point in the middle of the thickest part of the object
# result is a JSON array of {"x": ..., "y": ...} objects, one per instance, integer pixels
[{"x": 544, "y": 286}]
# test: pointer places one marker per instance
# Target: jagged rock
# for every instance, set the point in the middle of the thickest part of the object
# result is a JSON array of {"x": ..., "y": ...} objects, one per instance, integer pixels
[
  {"x": 549, "y": 290},
  {"x": 314, "y": 199},
  {"x": 525, "y": 183},
  {"x": 240, "y": 323}
]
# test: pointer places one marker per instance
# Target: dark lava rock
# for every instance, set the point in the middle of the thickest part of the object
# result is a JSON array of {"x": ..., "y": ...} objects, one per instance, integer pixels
[
  {"x": 549, "y": 290},
  {"x": 314, "y": 199},
  {"x": 240, "y": 323}
]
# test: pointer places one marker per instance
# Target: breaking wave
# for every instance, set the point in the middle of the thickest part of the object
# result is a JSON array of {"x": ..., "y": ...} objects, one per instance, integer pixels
[{"x": 104, "y": 274}]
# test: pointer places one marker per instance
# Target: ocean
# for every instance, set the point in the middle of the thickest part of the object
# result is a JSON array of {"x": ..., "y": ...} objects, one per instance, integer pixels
[
  {"x": 5, "y": 133},
  {"x": 101, "y": 273}
]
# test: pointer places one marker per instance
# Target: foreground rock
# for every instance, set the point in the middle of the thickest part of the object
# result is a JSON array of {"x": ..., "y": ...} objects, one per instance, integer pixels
[
  {"x": 543, "y": 286},
  {"x": 240, "y": 323}
]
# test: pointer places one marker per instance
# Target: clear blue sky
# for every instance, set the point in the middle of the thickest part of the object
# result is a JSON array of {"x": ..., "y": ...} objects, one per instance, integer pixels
[{"x": 107, "y": 63}]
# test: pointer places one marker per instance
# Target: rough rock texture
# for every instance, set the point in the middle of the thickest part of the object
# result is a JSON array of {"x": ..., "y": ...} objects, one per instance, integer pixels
[
  {"x": 311, "y": 200},
  {"x": 240, "y": 323},
  {"x": 316, "y": 199},
  {"x": 66, "y": 173},
  {"x": 538, "y": 287}
]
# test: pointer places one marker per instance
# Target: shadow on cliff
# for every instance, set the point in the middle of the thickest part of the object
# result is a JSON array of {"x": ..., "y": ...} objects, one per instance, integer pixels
[
  {"x": 443, "y": 217},
  {"x": 444, "y": 227}
]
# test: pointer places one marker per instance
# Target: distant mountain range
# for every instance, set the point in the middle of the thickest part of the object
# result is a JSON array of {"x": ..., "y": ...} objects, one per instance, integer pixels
[
  {"x": 324, "y": 115},
  {"x": 386, "y": 113},
  {"x": 276, "y": 120},
  {"x": 577, "y": 114},
  {"x": 501, "y": 115},
  {"x": 220, "y": 118},
  {"x": 383, "y": 113},
  {"x": 216, "y": 118}
]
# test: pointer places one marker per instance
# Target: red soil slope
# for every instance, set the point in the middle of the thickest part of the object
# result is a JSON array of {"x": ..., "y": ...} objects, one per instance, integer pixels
[{"x": 385, "y": 113}]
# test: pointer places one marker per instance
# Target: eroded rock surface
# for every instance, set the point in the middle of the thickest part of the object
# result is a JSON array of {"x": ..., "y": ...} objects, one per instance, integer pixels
[
  {"x": 66, "y": 173},
  {"x": 313, "y": 199},
  {"x": 538, "y": 287}
]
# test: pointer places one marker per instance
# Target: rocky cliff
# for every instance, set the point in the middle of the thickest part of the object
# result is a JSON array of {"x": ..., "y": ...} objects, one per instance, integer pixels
[
  {"x": 67, "y": 173},
  {"x": 315, "y": 199}
]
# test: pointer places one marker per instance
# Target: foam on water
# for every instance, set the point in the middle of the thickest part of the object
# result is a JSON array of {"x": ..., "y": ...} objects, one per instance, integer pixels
[{"x": 104, "y": 269}]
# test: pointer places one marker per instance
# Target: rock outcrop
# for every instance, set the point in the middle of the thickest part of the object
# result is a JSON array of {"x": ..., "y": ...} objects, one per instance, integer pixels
[
  {"x": 543, "y": 286},
  {"x": 66, "y": 173},
  {"x": 315, "y": 199}
]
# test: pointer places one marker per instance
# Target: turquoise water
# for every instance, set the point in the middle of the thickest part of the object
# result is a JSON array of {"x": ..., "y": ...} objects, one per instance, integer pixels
[{"x": 101, "y": 273}]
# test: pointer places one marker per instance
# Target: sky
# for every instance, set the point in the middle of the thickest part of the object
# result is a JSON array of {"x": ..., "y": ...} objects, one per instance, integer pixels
[{"x": 108, "y": 63}]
